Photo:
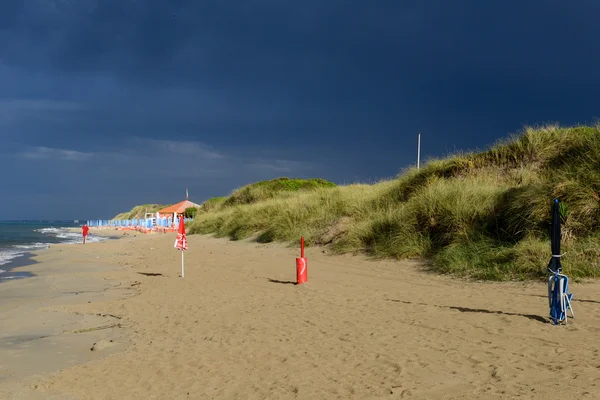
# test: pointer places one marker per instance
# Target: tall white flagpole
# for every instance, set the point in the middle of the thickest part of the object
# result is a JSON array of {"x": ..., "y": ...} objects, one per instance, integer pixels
[{"x": 419, "y": 152}]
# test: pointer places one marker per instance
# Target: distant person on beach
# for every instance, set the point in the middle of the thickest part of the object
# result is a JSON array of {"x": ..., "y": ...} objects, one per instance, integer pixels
[{"x": 85, "y": 230}]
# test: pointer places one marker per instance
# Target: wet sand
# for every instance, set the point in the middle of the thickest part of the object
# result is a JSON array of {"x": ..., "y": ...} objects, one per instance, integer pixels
[{"x": 236, "y": 327}]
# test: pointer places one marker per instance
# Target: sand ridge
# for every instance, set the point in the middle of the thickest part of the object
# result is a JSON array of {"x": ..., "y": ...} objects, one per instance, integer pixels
[{"x": 236, "y": 327}]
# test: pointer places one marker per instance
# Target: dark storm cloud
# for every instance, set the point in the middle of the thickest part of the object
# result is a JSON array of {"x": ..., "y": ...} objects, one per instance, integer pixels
[
  {"x": 103, "y": 180},
  {"x": 334, "y": 88}
]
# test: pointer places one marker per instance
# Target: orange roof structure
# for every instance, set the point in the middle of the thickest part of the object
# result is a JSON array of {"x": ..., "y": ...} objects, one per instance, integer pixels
[{"x": 178, "y": 208}]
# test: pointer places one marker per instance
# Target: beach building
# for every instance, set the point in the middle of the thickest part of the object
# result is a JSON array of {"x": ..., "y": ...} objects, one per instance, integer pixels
[{"x": 177, "y": 209}]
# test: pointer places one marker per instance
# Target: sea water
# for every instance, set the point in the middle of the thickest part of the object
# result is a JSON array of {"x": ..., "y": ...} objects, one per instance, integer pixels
[{"x": 17, "y": 238}]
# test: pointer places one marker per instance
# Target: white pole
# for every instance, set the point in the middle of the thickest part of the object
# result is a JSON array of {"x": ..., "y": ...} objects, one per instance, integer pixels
[
  {"x": 419, "y": 152},
  {"x": 182, "y": 263}
]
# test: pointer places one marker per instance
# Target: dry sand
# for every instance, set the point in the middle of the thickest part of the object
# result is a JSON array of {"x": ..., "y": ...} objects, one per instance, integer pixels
[{"x": 236, "y": 327}]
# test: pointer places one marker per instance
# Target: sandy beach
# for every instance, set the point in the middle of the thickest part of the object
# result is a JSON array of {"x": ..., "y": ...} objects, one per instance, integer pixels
[{"x": 113, "y": 320}]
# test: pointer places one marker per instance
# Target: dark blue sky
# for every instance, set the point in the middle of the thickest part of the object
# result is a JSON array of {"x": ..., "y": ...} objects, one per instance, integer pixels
[{"x": 110, "y": 103}]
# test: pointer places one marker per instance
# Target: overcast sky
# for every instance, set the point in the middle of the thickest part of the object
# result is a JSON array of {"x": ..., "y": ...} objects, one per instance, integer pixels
[{"x": 110, "y": 103}]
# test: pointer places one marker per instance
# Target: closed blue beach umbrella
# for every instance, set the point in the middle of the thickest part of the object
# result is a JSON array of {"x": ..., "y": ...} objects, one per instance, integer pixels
[
  {"x": 559, "y": 298},
  {"x": 555, "y": 237}
]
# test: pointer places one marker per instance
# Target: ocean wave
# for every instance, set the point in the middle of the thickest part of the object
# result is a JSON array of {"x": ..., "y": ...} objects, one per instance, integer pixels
[
  {"x": 50, "y": 230},
  {"x": 68, "y": 236},
  {"x": 7, "y": 255},
  {"x": 19, "y": 250},
  {"x": 2, "y": 270},
  {"x": 74, "y": 238},
  {"x": 31, "y": 246}
]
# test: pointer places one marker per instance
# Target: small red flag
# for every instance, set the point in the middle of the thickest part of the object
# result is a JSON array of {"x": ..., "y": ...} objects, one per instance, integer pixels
[{"x": 181, "y": 241}]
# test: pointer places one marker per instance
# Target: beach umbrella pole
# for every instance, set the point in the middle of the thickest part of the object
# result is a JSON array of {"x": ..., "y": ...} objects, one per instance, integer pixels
[{"x": 181, "y": 242}]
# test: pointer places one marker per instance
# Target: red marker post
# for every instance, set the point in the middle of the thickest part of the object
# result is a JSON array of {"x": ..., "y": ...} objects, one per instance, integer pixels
[{"x": 301, "y": 265}]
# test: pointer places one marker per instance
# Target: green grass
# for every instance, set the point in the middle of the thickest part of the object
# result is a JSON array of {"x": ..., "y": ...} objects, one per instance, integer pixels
[
  {"x": 483, "y": 215},
  {"x": 264, "y": 190},
  {"x": 213, "y": 204}
]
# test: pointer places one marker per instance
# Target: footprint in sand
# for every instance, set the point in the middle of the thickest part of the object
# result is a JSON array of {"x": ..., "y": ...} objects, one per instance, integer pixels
[{"x": 102, "y": 344}]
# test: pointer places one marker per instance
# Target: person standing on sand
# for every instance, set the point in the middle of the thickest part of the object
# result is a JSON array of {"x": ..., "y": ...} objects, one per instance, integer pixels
[{"x": 85, "y": 230}]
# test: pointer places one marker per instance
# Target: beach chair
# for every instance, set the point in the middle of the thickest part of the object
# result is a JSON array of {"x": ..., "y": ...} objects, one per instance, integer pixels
[{"x": 559, "y": 298}]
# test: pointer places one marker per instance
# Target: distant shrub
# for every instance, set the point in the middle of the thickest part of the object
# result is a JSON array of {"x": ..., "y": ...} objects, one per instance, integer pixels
[{"x": 190, "y": 212}]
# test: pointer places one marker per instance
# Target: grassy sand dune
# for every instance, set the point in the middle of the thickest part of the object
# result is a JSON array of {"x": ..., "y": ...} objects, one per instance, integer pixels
[{"x": 484, "y": 215}]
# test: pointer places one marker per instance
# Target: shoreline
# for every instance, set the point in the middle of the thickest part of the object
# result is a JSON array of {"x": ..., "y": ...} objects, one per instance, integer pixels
[
  {"x": 238, "y": 327},
  {"x": 13, "y": 269},
  {"x": 17, "y": 263}
]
